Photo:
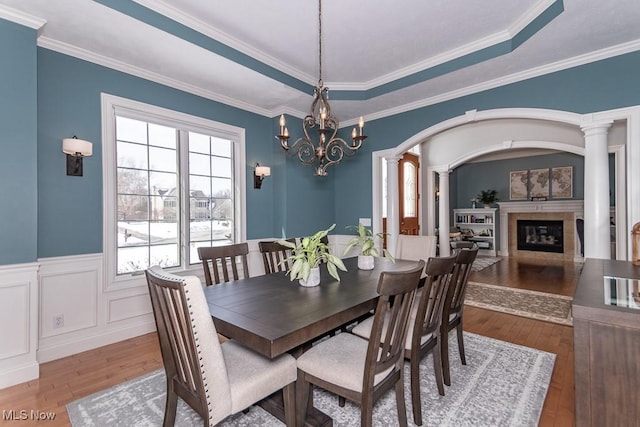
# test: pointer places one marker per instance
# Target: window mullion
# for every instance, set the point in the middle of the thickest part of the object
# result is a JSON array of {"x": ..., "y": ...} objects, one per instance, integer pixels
[{"x": 185, "y": 212}]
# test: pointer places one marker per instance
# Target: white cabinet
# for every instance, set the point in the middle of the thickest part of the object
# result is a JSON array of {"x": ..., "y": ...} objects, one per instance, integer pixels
[{"x": 478, "y": 225}]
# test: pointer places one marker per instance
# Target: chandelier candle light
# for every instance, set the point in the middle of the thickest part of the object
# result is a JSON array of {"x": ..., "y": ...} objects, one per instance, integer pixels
[{"x": 330, "y": 149}]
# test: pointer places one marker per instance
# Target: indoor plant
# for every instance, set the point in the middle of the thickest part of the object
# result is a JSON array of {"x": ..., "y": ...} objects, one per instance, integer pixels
[
  {"x": 306, "y": 257},
  {"x": 488, "y": 197},
  {"x": 365, "y": 240}
]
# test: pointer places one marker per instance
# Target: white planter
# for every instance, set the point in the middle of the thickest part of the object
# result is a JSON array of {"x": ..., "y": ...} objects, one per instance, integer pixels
[
  {"x": 313, "y": 279},
  {"x": 365, "y": 262}
]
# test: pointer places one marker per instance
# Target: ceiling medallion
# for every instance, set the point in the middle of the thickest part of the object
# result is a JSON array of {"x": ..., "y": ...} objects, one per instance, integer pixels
[{"x": 330, "y": 149}]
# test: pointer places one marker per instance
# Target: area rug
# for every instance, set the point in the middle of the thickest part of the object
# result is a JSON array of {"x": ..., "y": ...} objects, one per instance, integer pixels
[
  {"x": 521, "y": 302},
  {"x": 482, "y": 262},
  {"x": 502, "y": 384}
]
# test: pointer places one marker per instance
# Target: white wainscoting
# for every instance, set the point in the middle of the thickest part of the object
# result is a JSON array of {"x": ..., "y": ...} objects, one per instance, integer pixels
[
  {"x": 19, "y": 320},
  {"x": 61, "y": 306}
]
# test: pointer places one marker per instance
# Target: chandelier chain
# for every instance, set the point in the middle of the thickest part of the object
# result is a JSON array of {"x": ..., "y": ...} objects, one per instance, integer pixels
[{"x": 320, "y": 40}]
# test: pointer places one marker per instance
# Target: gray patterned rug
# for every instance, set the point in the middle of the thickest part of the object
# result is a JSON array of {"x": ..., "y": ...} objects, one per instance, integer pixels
[
  {"x": 482, "y": 262},
  {"x": 521, "y": 302},
  {"x": 503, "y": 384}
]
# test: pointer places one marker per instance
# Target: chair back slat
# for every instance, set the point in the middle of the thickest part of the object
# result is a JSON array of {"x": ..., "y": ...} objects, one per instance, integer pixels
[
  {"x": 220, "y": 258},
  {"x": 388, "y": 333},
  {"x": 274, "y": 256},
  {"x": 458, "y": 288},
  {"x": 429, "y": 314}
]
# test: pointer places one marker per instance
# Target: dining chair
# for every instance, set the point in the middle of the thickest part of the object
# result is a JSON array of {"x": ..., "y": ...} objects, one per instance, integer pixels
[
  {"x": 362, "y": 370},
  {"x": 220, "y": 259},
  {"x": 274, "y": 256},
  {"x": 414, "y": 248},
  {"x": 458, "y": 245},
  {"x": 423, "y": 334},
  {"x": 452, "y": 315},
  {"x": 216, "y": 380}
]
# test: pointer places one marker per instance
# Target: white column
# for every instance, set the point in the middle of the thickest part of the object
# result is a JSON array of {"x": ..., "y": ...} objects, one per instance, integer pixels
[
  {"x": 443, "y": 213},
  {"x": 597, "y": 237},
  {"x": 393, "y": 203}
]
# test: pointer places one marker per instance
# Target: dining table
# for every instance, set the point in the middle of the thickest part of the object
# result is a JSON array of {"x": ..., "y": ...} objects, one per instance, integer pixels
[{"x": 272, "y": 315}]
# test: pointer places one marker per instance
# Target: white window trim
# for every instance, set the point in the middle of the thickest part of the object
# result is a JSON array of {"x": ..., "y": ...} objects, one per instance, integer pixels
[{"x": 111, "y": 104}]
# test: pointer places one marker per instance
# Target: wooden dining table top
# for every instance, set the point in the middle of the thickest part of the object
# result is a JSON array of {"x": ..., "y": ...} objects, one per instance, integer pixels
[{"x": 272, "y": 315}]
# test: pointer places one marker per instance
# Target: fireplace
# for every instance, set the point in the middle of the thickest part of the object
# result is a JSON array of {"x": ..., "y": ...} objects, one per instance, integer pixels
[{"x": 540, "y": 235}]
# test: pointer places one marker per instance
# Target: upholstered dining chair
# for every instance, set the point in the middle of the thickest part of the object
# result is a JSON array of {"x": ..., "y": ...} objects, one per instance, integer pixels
[
  {"x": 423, "y": 335},
  {"x": 215, "y": 379},
  {"x": 362, "y": 370},
  {"x": 414, "y": 248},
  {"x": 220, "y": 259},
  {"x": 453, "y": 311},
  {"x": 274, "y": 256}
]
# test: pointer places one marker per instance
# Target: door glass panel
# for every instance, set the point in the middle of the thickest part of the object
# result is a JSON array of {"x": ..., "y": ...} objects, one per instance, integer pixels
[{"x": 409, "y": 202}]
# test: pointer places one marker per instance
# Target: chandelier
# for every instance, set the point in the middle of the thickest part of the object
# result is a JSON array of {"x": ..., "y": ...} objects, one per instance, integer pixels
[{"x": 330, "y": 149}]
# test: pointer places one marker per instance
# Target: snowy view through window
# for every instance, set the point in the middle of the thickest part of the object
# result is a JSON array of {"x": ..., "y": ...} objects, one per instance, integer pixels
[{"x": 151, "y": 206}]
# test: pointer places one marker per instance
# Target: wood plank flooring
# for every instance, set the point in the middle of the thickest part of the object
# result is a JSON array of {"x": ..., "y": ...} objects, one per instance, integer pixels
[{"x": 65, "y": 380}]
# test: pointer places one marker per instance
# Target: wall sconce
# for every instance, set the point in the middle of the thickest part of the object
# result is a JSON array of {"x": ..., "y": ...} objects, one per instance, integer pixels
[
  {"x": 76, "y": 149},
  {"x": 259, "y": 174}
]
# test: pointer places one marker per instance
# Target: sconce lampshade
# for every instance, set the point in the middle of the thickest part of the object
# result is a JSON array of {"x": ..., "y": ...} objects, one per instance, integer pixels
[
  {"x": 75, "y": 146},
  {"x": 263, "y": 171},
  {"x": 259, "y": 173}
]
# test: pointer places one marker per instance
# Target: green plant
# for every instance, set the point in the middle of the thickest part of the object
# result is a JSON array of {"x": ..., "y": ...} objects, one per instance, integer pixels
[
  {"x": 308, "y": 253},
  {"x": 365, "y": 240},
  {"x": 488, "y": 197}
]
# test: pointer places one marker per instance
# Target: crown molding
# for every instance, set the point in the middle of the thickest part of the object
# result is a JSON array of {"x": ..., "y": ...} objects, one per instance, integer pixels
[
  {"x": 175, "y": 14},
  {"x": 21, "y": 18},
  {"x": 92, "y": 57},
  {"x": 513, "y": 78},
  {"x": 529, "y": 16}
]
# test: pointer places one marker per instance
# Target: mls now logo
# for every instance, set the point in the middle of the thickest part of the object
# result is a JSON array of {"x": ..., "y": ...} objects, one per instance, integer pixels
[{"x": 23, "y": 414}]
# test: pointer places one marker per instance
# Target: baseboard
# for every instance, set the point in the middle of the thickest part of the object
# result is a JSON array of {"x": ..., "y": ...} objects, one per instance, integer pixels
[
  {"x": 79, "y": 344},
  {"x": 19, "y": 374}
]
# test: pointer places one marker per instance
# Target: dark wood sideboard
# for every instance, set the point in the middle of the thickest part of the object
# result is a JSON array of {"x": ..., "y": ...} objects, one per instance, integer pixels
[{"x": 607, "y": 344}]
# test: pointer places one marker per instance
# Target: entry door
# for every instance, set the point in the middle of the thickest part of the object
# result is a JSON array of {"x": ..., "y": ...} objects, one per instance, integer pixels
[{"x": 409, "y": 198}]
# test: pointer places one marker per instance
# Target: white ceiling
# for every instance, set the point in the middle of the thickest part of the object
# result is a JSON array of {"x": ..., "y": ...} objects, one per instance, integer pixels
[{"x": 367, "y": 44}]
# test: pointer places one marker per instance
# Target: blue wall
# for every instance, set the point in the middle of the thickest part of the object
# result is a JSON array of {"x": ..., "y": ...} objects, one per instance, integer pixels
[
  {"x": 18, "y": 144},
  {"x": 603, "y": 85},
  {"x": 70, "y": 208},
  {"x": 47, "y": 96}
]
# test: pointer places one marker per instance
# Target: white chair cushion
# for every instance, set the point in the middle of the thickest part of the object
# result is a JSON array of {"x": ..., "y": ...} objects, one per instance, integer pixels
[
  {"x": 252, "y": 376},
  {"x": 339, "y": 360}
]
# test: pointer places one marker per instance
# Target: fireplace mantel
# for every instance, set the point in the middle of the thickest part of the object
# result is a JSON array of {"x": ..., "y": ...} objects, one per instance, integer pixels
[{"x": 576, "y": 207}]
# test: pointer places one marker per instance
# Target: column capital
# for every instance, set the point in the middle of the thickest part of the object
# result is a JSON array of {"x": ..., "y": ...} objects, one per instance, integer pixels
[
  {"x": 444, "y": 172},
  {"x": 596, "y": 128},
  {"x": 394, "y": 158}
]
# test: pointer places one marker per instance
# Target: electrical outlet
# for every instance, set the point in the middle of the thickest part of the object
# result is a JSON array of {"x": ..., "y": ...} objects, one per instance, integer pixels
[{"x": 58, "y": 321}]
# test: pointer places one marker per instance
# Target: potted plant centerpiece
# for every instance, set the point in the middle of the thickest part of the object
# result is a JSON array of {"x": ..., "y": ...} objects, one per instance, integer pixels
[
  {"x": 365, "y": 240},
  {"x": 306, "y": 257},
  {"x": 488, "y": 197}
]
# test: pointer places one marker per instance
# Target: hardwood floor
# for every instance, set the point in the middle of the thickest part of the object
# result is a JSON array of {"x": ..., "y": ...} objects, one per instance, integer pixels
[{"x": 65, "y": 380}]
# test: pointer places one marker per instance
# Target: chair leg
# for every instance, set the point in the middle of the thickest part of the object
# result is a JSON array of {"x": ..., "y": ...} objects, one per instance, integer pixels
[
  {"x": 444, "y": 354},
  {"x": 303, "y": 392},
  {"x": 437, "y": 367},
  {"x": 366, "y": 410},
  {"x": 415, "y": 389},
  {"x": 289, "y": 398},
  {"x": 341, "y": 401},
  {"x": 402, "y": 409},
  {"x": 461, "y": 343},
  {"x": 170, "y": 406}
]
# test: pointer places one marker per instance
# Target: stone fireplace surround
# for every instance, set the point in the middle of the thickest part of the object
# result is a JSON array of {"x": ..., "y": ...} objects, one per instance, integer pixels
[{"x": 565, "y": 210}]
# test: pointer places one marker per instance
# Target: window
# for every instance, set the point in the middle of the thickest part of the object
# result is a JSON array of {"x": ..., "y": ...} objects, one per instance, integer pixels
[{"x": 173, "y": 183}]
